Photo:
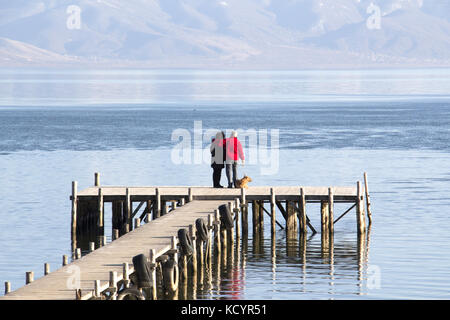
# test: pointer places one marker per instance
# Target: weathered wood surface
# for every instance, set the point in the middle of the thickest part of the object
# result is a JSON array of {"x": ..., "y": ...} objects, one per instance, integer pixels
[
  {"x": 97, "y": 265},
  {"x": 111, "y": 193}
]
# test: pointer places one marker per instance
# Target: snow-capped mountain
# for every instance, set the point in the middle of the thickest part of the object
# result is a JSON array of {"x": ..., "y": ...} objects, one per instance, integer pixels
[{"x": 271, "y": 33}]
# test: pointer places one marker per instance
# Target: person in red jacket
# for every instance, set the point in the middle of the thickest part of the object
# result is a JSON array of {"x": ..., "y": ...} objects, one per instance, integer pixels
[{"x": 234, "y": 152}]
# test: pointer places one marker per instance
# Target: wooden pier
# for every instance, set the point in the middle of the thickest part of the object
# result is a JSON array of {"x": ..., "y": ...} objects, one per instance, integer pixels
[{"x": 148, "y": 220}]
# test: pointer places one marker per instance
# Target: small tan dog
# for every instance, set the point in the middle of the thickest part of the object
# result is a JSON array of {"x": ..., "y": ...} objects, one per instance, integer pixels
[{"x": 243, "y": 183}]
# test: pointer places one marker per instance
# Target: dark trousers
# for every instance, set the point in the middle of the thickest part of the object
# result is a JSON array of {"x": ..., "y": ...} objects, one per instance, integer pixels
[
  {"x": 231, "y": 167},
  {"x": 217, "y": 174}
]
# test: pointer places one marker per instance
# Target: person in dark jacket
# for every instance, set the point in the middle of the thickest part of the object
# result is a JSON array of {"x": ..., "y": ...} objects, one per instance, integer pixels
[{"x": 218, "y": 156}]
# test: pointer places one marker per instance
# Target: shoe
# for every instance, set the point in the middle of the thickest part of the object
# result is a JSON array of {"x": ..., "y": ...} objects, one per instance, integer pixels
[{"x": 230, "y": 186}]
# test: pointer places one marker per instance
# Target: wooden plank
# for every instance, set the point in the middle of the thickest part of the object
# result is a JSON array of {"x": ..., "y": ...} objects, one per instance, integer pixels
[{"x": 346, "y": 194}]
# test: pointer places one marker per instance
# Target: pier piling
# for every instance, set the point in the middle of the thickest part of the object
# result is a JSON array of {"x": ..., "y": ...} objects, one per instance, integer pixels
[
  {"x": 29, "y": 277},
  {"x": 330, "y": 211},
  {"x": 7, "y": 287},
  {"x": 368, "y": 207}
]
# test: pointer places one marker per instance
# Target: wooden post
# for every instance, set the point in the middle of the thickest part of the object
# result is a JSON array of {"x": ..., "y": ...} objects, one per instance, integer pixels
[
  {"x": 7, "y": 287},
  {"x": 29, "y": 277},
  {"x": 255, "y": 218},
  {"x": 97, "y": 288},
  {"x": 303, "y": 224},
  {"x": 115, "y": 234},
  {"x": 148, "y": 212},
  {"x": 74, "y": 212},
  {"x": 152, "y": 258},
  {"x": 369, "y": 210},
  {"x": 46, "y": 269},
  {"x": 103, "y": 241},
  {"x": 330, "y": 210},
  {"x": 157, "y": 205},
  {"x": 65, "y": 260},
  {"x": 224, "y": 246},
  {"x": 201, "y": 255},
  {"x": 360, "y": 219},
  {"x": 190, "y": 195},
  {"x": 217, "y": 232},
  {"x": 324, "y": 216},
  {"x": 231, "y": 230},
  {"x": 128, "y": 207},
  {"x": 97, "y": 179},
  {"x": 273, "y": 212},
  {"x": 91, "y": 246},
  {"x": 127, "y": 228},
  {"x": 192, "y": 234},
  {"x": 210, "y": 239},
  {"x": 261, "y": 214},
  {"x": 291, "y": 221},
  {"x": 137, "y": 223},
  {"x": 113, "y": 284},
  {"x": 100, "y": 210},
  {"x": 244, "y": 213},
  {"x": 236, "y": 217},
  {"x": 182, "y": 201},
  {"x": 126, "y": 274},
  {"x": 78, "y": 253}
]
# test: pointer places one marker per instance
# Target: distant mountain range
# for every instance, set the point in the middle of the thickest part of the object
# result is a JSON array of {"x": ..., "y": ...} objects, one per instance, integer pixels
[{"x": 225, "y": 33}]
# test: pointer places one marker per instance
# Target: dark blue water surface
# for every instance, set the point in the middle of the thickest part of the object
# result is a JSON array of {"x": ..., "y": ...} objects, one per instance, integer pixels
[
  {"x": 362, "y": 125},
  {"x": 63, "y": 125}
]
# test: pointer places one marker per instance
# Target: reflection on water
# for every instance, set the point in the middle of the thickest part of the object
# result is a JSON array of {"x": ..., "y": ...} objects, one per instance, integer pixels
[{"x": 340, "y": 266}]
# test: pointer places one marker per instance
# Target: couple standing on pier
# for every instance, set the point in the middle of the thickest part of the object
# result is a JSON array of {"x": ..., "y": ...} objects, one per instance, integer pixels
[{"x": 226, "y": 152}]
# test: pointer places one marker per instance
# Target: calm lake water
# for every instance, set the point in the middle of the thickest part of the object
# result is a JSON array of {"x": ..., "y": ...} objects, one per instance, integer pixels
[{"x": 64, "y": 125}]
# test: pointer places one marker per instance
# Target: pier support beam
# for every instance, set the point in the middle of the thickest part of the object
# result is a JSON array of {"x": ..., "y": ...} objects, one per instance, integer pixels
[
  {"x": 366, "y": 187},
  {"x": 152, "y": 260},
  {"x": 256, "y": 219},
  {"x": 291, "y": 221},
  {"x": 324, "y": 218},
  {"x": 244, "y": 213},
  {"x": 74, "y": 213},
  {"x": 302, "y": 217},
  {"x": 101, "y": 216},
  {"x": 157, "y": 205},
  {"x": 192, "y": 234},
  {"x": 29, "y": 277},
  {"x": 360, "y": 219},
  {"x": 65, "y": 260},
  {"x": 7, "y": 287},
  {"x": 209, "y": 246},
  {"x": 330, "y": 211},
  {"x": 236, "y": 211},
  {"x": 97, "y": 179},
  {"x": 273, "y": 212},
  {"x": 261, "y": 215},
  {"x": 217, "y": 232},
  {"x": 128, "y": 207}
]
